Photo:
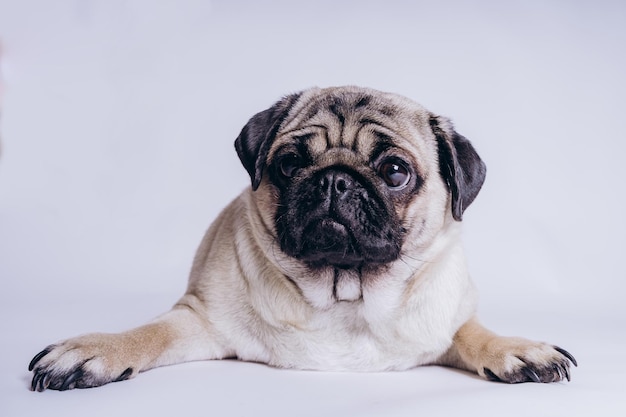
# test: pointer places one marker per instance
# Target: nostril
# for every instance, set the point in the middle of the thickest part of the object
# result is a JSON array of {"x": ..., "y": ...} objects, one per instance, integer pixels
[
  {"x": 335, "y": 183},
  {"x": 341, "y": 185}
]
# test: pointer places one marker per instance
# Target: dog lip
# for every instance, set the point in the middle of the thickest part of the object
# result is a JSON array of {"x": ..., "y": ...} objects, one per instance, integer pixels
[
  {"x": 335, "y": 225},
  {"x": 321, "y": 229},
  {"x": 327, "y": 241}
]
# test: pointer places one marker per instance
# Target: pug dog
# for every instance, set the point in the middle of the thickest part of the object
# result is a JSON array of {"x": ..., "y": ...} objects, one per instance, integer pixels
[{"x": 343, "y": 255}]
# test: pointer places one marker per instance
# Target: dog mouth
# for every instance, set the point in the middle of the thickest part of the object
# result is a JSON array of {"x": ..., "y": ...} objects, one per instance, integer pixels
[{"x": 326, "y": 242}]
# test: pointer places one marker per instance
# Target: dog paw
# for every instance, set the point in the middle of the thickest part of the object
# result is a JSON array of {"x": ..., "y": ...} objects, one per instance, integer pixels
[
  {"x": 515, "y": 360},
  {"x": 83, "y": 362}
]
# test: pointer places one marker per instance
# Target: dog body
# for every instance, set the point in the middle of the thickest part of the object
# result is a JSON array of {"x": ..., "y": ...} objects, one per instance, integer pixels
[
  {"x": 344, "y": 254},
  {"x": 334, "y": 322}
]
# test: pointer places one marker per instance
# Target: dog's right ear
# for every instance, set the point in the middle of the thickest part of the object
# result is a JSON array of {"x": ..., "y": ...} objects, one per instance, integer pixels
[
  {"x": 256, "y": 137},
  {"x": 459, "y": 165}
]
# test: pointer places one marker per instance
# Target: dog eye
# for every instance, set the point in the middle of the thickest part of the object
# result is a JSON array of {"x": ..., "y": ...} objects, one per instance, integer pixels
[
  {"x": 394, "y": 173},
  {"x": 288, "y": 165}
]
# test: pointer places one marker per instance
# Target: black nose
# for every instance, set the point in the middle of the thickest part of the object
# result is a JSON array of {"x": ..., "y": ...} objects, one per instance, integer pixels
[{"x": 335, "y": 184}]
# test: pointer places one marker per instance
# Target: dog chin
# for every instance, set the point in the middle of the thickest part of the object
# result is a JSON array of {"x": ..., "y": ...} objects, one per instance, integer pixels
[{"x": 329, "y": 243}]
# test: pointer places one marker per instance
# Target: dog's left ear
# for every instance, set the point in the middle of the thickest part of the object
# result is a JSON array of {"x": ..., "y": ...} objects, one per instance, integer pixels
[
  {"x": 256, "y": 137},
  {"x": 460, "y": 166}
]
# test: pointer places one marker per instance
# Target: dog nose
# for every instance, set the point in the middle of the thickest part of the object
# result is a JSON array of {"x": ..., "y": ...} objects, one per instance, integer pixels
[{"x": 335, "y": 184}]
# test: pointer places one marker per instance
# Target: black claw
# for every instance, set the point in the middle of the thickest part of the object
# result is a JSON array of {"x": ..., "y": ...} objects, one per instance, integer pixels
[
  {"x": 35, "y": 382},
  {"x": 43, "y": 382},
  {"x": 125, "y": 375},
  {"x": 38, "y": 357},
  {"x": 491, "y": 376},
  {"x": 531, "y": 374},
  {"x": 558, "y": 369},
  {"x": 71, "y": 379},
  {"x": 566, "y": 370},
  {"x": 566, "y": 354},
  {"x": 40, "y": 381}
]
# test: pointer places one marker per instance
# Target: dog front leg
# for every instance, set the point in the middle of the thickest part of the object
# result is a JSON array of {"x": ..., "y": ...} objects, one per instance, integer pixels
[
  {"x": 506, "y": 359},
  {"x": 96, "y": 359}
]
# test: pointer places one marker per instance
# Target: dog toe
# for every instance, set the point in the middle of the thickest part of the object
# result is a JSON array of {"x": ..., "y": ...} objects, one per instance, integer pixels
[
  {"x": 518, "y": 360},
  {"x": 83, "y": 362}
]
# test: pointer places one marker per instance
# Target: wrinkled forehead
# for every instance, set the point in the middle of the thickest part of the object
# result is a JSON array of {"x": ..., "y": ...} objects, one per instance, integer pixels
[{"x": 357, "y": 119}]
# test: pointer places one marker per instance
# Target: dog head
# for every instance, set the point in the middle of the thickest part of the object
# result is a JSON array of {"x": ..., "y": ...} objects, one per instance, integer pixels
[{"x": 352, "y": 175}]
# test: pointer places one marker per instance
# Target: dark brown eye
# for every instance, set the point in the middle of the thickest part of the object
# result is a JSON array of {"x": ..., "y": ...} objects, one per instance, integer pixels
[
  {"x": 288, "y": 165},
  {"x": 394, "y": 173}
]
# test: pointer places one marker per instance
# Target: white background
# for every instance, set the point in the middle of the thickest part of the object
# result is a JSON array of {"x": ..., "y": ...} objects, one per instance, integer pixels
[{"x": 117, "y": 128}]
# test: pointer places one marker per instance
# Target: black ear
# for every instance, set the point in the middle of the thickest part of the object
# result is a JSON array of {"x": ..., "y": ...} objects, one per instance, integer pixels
[
  {"x": 256, "y": 137},
  {"x": 459, "y": 165}
]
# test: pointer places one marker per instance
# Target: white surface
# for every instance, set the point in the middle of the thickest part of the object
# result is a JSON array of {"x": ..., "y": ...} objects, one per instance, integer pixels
[{"x": 118, "y": 122}]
